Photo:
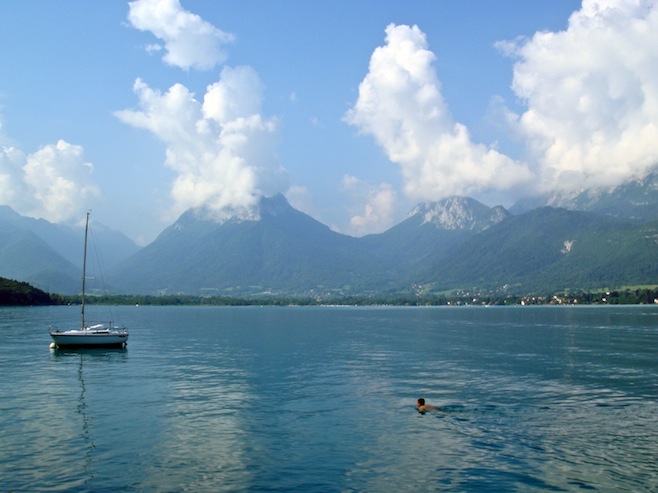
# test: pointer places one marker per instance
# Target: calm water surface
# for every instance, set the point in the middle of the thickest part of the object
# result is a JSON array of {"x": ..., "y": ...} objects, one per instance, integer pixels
[{"x": 322, "y": 399}]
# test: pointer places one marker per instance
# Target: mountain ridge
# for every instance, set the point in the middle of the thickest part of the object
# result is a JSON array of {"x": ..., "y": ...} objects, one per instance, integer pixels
[
  {"x": 636, "y": 200},
  {"x": 296, "y": 247},
  {"x": 456, "y": 243},
  {"x": 49, "y": 256}
]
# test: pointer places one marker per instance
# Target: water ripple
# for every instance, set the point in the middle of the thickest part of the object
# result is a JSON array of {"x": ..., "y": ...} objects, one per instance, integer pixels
[{"x": 323, "y": 399}]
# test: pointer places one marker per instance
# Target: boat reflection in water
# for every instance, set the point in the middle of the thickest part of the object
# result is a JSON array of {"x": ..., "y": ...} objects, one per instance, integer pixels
[{"x": 89, "y": 405}]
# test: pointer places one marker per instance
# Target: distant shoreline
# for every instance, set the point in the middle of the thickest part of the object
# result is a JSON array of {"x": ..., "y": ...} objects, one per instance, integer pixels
[
  {"x": 644, "y": 296},
  {"x": 17, "y": 293}
]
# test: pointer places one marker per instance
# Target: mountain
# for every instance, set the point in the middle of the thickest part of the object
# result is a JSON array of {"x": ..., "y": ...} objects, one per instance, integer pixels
[
  {"x": 49, "y": 256},
  {"x": 428, "y": 232},
  {"x": 67, "y": 241},
  {"x": 456, "y": 243},
  {"x": 635, "y": 201},
  {"x": 26, "y": 257},
  {"x": 282, "y": 250},
  {"x": 549, "y": 249}
]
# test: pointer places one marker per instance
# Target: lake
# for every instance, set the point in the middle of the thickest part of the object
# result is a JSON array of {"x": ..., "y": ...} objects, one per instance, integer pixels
[{"x": 322, "y": 399}]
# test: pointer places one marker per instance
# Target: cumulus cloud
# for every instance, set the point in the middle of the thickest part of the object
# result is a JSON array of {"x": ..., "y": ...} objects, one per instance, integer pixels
[
  {"x": 377, "y": 204},
  {"x": 400, "y": 104},
  {"x": 53, "y": 183},
  {"x": 591, "y": 93},
  {"x": 189, "y": 41},
  {"x": 12, "y": 187},
  {"x": 223, "y": 149}
]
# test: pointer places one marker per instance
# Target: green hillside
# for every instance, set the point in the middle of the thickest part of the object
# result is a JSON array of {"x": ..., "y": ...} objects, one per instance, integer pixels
[
  {"x": 14, "y": 293},
  {"x": 548, "y": 250}
]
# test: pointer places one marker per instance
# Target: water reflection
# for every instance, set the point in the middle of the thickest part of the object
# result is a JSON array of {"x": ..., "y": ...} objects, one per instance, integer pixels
[
  {"x": 86, "y": 420},
  {"x": 202, "y": 413},
  {"x": 88, "y": 359},
  {"x": 47, "y": 433}
]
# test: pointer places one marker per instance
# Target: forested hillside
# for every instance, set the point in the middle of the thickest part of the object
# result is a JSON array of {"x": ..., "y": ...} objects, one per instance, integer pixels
[{"x": 14, "y": 293}]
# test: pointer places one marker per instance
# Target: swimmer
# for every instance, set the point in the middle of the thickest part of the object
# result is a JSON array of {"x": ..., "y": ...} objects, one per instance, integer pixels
[{"x": 422, "y": 407}]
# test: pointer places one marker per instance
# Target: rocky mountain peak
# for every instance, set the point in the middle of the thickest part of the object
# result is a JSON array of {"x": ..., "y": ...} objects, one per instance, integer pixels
[
  {"x": 459, "y": 213},
  {"x": 266, "y": 206}
]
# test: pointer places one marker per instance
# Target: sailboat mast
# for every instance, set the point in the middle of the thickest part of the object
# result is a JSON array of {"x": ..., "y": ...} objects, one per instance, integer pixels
[{"x": 84, "y": 272}]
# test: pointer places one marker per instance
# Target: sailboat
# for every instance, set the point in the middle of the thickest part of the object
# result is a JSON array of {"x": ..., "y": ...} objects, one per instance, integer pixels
[{"x": 99, "y": 335}]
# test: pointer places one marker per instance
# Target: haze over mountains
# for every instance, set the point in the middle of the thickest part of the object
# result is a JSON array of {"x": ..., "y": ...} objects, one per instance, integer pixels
[
  {"x": 592, "y": 240},
  {"x": 49, "y": 256}
]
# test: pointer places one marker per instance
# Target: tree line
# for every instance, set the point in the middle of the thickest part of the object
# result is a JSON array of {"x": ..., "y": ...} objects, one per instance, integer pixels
[
  {"x": 616, "y": 297},
  {"x": 16, "y": 293}
]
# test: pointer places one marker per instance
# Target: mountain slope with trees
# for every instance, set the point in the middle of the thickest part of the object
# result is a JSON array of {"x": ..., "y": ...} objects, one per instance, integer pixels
[
  {"x": 14, "y": 293},
  {"x": 551, "y": 249},
  {"x": 453, "y": 244},
  {"x": 284, "y": 251}
]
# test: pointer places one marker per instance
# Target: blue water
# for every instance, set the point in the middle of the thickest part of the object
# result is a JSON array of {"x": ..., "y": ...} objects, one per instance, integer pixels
[{"x": 322, "y": 399}]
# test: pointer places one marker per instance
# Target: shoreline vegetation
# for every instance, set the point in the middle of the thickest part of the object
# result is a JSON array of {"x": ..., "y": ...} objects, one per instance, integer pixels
[{"x": 15, "y": 293}]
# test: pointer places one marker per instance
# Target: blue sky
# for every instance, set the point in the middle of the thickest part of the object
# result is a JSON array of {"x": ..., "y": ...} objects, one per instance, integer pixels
[{"x": 356, "y": 111}]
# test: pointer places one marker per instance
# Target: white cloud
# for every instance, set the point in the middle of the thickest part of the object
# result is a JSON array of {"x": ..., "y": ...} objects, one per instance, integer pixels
[
  {"x": 190, "y": 42},
  {"x": 592, "y": 95},
  {"x": 401, "y": 106},
  {"x": 376, "y": 206},
  {"x": 239, "y": 92},
  {"x": 12, "y": 188},
  {"x": 153, "y": 48},
  {"x": 53, "y": 183},
  {"x": 222, "y": 149}
]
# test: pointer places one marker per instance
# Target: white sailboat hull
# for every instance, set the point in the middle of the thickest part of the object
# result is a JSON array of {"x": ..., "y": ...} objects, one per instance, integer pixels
[{"x": 105, "y": 338}]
